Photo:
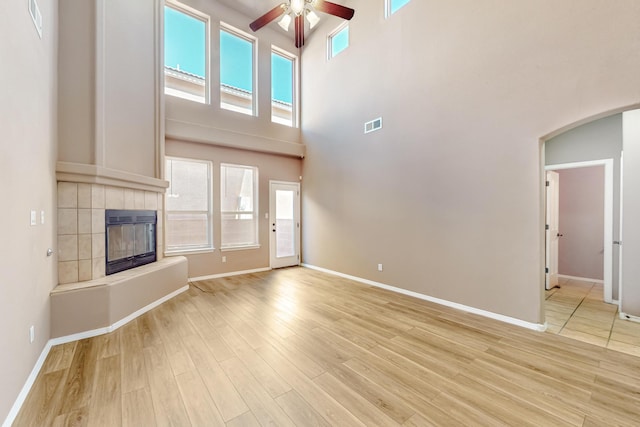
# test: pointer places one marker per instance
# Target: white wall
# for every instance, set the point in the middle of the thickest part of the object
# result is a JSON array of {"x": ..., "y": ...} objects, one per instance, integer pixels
[
  {"x": 448, "y": 194},
  {"x": 630, "y": 298},
  {"x": 580, "y": 249},
  {"x": 27, "y": 176}
]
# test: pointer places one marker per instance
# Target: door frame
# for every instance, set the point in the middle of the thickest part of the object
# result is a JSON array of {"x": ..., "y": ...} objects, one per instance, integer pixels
[
  {"x": 608, "y": 218},
  {"x": 272, "y": 215}
]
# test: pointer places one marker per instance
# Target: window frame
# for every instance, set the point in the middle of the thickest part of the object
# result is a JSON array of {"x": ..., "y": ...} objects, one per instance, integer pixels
[
  {"x": 254, "y": 66},
  {"x": 210, "y": 247},
  {"x": 254, "y": 212},
  {"x": 388, "y": 8},
  {"x": 343, "y": 26},
  {"x": 295, "y": 70},
  {"x": 206, "y": 19}
]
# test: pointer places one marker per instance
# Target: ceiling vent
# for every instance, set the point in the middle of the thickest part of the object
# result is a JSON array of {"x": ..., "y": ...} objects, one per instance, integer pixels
[{"x": 373, "y": 125}]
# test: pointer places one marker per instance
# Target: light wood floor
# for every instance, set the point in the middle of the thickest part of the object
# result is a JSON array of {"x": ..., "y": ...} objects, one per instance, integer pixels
[
  {"x": 299, "y": 347},
  {"x": 577, "y": 310}
]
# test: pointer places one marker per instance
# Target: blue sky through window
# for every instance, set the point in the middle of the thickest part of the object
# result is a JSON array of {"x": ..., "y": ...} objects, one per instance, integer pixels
[
  {"x": 184, "y": 42},
  {"x": 281, "y": 78},
  {"x": 340, "y": 41},
  {"x": 236, "y": 61},
  {"x": 397, "y": 4}
]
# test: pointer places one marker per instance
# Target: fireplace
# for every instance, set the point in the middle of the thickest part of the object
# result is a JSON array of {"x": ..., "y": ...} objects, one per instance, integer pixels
[{"x": 130, "y": 239}]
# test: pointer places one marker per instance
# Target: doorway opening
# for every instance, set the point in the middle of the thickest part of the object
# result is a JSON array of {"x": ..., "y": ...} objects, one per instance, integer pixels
[{"x": 575, "y": 254}]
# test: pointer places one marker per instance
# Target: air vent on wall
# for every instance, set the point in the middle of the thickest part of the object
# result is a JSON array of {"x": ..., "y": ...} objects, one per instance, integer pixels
[
  {"x": 36, "y": 16},
  {"x": 373, "y": 125}
]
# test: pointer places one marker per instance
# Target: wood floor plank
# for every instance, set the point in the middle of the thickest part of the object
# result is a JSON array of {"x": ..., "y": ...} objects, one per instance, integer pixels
[
  {"x": 168, "y": 406},
  {"x": 105, "y": 408},
  {"x": 80, "y": 377},
  {"x": 323, "y": 403},
  {"x": 134, "y": 374},
  {"x": 137, "y": 408},
  {"x": 44, "y": 401},
  {"x": 360, "y": 407},
  {"x": 200, "y": 407},
  {"x": 300, "y": 412},
  {"x": 60, "y": 357},
  {"x": 246, "y": 419},
  {"x": 265, "y": 409},
  {"x": 301, "y": 347},
  {"x": 262, "y": 372},
  {"x": 221, "y": 389}
]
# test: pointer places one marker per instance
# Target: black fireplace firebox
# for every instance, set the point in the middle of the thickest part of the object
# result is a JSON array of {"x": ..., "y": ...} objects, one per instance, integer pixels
[{"x": 130, "y": 239}]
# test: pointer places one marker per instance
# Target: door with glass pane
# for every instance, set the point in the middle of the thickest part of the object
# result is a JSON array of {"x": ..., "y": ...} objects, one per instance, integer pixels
[{"x": 284, "y": 223}]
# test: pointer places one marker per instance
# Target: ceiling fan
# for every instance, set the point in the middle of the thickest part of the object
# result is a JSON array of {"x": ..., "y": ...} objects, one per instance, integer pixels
[{"x": 300, "y": 9}]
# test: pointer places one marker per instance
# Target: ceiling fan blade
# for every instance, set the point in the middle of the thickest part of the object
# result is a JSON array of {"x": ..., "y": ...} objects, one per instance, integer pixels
[
  {"x": 268, "y": 17},
  {"x": 334, "y": 9},
  {"x": 299, "y": 31}
]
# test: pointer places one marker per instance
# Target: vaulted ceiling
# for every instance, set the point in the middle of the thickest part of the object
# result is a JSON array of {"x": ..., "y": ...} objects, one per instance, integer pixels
[{"x": 255, "y": 8}]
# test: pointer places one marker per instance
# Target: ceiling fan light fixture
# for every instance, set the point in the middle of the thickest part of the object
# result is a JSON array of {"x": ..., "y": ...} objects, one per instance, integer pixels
[
  {"x": 285, "y": 22},
  {"x": 312, "y": 18},
  {"x": 297, "y": 6}
]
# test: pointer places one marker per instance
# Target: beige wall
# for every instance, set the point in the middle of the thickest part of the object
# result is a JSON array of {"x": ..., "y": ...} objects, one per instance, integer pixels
[
  {"x": 270, "y": 167},
  {"x": 27, "y": 173},
  {"x": 581, "y": 250},
  {"x": 110, "y": 85},
  {"x": 188, "y": 120},
  {"x": 448, "y": 194}
]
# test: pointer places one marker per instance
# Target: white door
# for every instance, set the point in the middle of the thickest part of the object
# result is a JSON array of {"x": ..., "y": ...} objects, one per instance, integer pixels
[
  {"x": 284, "y": 222},
  {"x": 552, "y": 234}
]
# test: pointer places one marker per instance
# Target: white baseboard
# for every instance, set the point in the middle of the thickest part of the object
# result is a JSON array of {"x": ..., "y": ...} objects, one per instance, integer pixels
[
  {"x": 511, "y": 320},
  {"x": 233, "y": 273},
  {"x": 582, "y": 279},
  {"x": 629, "y": 317},
  {"x": 75, "y": 337},
  {"x": 13, "y": 413}
]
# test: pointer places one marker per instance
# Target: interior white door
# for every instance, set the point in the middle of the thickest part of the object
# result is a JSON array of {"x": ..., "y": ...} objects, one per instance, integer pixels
[
  {"x": 284, "y": 222},
  {"x": 552, "y": 234}
]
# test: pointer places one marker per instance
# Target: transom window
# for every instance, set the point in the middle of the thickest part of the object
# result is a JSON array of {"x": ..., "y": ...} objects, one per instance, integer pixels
[
  {"x": 237, "y": 75},
  {"x": 393, "y": 6},
  {"x": 188, "y": 205},
  {"x": 282, "y": 87},
  {"x": 339, "y": 40},
  {"x": 185, "y": 52},
  {"x": 238, "y": 206}
]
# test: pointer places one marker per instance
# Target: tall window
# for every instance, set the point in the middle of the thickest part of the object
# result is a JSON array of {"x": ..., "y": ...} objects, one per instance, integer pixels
[
  {"x": 188, "y": 205},
  {"x": 339, "y": 40},
  {"x": 236, "y": 71},
  {"x": 185, "y": 53},
  {"x": 239, "y": 206},
  {"x": 394, "y": 5},
  {"x": 282, "y": 87}
]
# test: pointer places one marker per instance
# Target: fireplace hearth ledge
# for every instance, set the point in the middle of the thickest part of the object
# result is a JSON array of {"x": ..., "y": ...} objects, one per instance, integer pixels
[{"x": 101, "y": 303}]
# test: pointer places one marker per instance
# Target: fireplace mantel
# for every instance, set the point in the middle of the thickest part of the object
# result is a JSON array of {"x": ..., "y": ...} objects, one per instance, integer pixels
[{"x": 92, "y": 174}]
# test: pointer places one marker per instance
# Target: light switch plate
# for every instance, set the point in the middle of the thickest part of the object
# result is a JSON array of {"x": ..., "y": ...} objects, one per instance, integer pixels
[{"x": 34, "y": 219}]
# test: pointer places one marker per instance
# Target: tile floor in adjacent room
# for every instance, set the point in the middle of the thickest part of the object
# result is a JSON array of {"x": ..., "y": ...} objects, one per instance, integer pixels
[{"x": 577, "y": 310}]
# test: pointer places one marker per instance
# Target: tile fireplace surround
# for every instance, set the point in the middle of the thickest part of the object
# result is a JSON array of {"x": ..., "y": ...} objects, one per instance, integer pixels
[{"x": 81, "y": 225}]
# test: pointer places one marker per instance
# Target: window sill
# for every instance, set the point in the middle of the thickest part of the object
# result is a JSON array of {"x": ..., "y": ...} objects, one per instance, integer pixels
[
  {"x": 239, "y": 248},
  {"x": 189, "y": 252}
]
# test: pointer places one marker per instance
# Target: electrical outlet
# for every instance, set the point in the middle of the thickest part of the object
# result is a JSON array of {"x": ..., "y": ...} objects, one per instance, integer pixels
[
  {"x": 32, "y": 334},
  {"x": 34, "y": 220},
  {"x": 379, "y": 267},
  {"x": 224, "y": 259},
  {"x": 41, "y": 217}
]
